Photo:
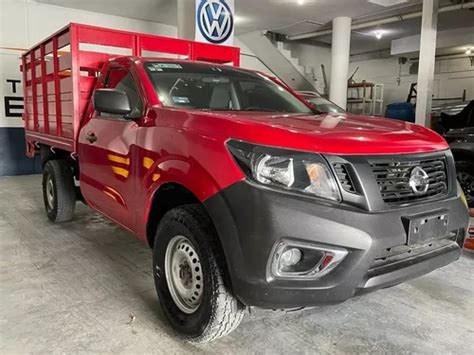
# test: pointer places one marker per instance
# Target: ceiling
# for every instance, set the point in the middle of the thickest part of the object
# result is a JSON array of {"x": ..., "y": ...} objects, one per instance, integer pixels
[
  {"x": 364, "y": 40},
  {"x": 287, "y": 16},
  {"x": 251, "y": 14}
]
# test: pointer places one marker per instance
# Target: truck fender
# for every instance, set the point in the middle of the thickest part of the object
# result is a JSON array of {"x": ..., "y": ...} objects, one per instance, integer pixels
[{"x": 190, "y": 176}]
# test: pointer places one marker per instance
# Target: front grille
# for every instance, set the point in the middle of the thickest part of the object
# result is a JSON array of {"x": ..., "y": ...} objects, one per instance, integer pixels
[
  {"x": 344, "y": 177},
  {"x": 393, "y": 179}
]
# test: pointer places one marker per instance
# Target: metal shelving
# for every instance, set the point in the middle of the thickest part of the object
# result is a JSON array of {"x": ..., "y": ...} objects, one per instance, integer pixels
[{"x": 365, "y": 98}]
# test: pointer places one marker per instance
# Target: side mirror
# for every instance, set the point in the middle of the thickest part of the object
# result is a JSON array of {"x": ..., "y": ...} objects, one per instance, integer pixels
[{"x": 112, "y": 101}]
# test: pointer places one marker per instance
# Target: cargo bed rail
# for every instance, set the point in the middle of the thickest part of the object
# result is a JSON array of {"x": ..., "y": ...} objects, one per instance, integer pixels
[{"x": 60, "y": 73}]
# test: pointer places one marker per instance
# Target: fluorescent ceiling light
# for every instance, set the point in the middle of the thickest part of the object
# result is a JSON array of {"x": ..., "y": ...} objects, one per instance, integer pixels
[
  {"x": 378, "y": 34},
  {"x": 300, "y": 2},
  {"x": 387, "y": 3}
]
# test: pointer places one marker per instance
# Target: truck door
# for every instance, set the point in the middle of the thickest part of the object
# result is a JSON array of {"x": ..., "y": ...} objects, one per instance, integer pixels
[{"x": 107, "y": 153}]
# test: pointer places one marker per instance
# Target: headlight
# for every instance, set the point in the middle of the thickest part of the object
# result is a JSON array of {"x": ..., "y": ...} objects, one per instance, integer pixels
[{"x": 300, "y": 172}]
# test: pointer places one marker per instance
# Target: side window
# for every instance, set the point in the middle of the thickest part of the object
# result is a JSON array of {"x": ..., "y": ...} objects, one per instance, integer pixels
[{"x": 121, "y": 79}]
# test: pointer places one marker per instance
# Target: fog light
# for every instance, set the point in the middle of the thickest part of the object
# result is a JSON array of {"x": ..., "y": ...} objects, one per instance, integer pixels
[
  {"x": 299, "y": 260},
  {"x": 290, "y": 258}
]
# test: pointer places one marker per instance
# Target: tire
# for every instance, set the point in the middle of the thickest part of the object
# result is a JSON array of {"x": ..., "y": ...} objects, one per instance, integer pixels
[
  {"x": 59, "y": 193},
  {"x": 219, "y": 312},
  {"x": 465, "y": 176}
]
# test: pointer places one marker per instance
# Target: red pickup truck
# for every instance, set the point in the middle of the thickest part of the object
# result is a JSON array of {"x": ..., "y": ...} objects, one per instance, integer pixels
[{"x": 249, "y": 196}]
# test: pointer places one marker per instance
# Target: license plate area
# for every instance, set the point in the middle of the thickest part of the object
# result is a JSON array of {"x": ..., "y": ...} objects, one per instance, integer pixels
[{"x": 422, "y": 228}]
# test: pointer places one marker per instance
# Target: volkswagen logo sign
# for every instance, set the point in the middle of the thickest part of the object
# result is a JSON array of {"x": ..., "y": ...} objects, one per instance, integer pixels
[
  {"x": 419, "y": 181},
  {"x": 215, "y": 20}
]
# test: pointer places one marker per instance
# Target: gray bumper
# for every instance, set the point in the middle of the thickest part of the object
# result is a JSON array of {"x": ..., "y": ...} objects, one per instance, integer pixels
[{"x": 250, "y": 220}]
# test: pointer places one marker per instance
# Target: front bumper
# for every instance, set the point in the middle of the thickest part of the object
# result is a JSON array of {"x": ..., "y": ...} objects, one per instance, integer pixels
[{"x": 250, "y": 220}]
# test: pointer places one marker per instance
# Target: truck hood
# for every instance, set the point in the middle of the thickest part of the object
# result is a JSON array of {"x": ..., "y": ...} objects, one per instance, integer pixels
[{"x": 326, "y": 133}]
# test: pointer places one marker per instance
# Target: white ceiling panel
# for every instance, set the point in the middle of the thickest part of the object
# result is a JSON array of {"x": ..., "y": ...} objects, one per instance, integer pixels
[{"x": 288, "y": 17}]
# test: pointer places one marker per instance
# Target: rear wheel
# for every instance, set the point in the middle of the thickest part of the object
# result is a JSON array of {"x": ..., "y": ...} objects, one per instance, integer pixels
[
  {"x": 191, "y": 278},
  {"x": 59, "y": 193}
]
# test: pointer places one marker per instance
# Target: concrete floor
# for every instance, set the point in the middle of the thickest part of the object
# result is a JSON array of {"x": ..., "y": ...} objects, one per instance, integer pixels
[{"x": 74, "y": 288}]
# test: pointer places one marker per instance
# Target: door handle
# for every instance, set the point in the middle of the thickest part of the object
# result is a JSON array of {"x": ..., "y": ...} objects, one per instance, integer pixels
[{"x": 91, "y": 137}]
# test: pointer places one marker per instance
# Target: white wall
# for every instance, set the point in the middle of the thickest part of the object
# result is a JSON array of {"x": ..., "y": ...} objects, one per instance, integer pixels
[
  {"x": 458, "y": 37},
  {"x": 312, "y": 56},
  {"x": 278, "y": 61},
  {"x": 248, "y": 59},
  {"x": 451, "y": 77}
]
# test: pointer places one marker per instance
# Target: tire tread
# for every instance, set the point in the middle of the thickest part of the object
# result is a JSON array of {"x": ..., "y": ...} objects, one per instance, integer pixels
[
  {"x": 65, "y": 190},
  {"x": 227, "y": 311}
]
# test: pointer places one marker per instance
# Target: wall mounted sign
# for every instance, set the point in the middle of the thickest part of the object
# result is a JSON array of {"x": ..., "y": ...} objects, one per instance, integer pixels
[{"x": 215, "y": 21}]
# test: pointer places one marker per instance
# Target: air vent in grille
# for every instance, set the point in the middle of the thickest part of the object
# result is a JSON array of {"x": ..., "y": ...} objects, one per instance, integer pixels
[
  {"x": 344, "y": 177},
  {"x": 393, "y": 179}
]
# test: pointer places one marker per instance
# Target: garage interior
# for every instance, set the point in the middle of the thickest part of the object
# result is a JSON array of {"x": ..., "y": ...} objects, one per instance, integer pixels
[{"x": 87, "y": 285}]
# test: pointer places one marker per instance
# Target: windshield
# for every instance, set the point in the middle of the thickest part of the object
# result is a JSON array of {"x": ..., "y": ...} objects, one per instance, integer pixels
[
  {"x": 208, "y": 87},
  {"x": 323, "y": 105}
]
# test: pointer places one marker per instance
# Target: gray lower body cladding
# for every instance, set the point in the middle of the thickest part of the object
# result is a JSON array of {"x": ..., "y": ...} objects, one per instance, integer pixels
[{"x": 250, "y": 220}]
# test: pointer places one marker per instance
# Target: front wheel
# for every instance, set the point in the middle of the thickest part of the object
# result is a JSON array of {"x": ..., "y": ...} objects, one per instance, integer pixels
[
  {"x": 191, "y": 278},
  {"x": 59, "y": 193}
]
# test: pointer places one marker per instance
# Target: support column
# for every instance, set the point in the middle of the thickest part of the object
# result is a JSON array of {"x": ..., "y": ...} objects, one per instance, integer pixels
[
  {"x": 340, "y": 51},
  {"x": 424, "y": 86},
  {"x": 186, "y": 10}
]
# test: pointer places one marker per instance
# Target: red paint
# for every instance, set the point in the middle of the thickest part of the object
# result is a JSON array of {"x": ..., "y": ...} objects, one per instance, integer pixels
[{"x": 130, "y": 160}]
